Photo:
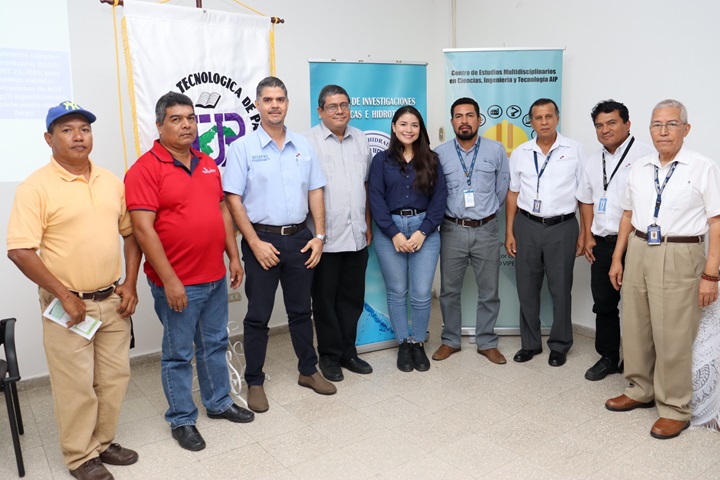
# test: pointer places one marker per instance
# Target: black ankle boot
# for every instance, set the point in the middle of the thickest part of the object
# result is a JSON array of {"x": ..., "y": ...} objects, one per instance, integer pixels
[
  {"x": 405, "y": 358},
  {"x": 419, "y": 359}
]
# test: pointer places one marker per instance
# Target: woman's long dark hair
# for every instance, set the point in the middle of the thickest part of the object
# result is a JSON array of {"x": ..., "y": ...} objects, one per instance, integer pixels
[{"x": 424, "y": 160}]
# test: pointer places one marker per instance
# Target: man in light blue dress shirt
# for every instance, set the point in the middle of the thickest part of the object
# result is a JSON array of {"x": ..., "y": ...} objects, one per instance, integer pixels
[
  {"x": 477, "y": 177},
  {"x": 272, "y": 179}
]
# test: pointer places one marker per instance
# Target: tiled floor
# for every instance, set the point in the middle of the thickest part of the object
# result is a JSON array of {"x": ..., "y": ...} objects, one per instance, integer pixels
[{"x": 465, "y": 418}]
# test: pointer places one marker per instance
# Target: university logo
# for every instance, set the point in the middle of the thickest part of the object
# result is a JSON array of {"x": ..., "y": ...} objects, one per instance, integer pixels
[
  {"x": 377, "y": 140},
  {"x": 223, "y": 110}
]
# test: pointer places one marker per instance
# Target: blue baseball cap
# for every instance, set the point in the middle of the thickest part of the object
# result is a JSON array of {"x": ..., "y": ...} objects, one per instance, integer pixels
[{"x": 66, "y": 108}]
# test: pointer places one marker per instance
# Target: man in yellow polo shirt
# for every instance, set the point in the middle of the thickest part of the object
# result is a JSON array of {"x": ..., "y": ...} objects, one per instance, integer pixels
[{"x": 72, "y": 212}]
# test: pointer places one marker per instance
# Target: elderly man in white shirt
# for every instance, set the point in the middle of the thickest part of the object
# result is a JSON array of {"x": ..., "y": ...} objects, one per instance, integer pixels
[
  {"x": 671, "y": 202},
  {"x": 600, "y": 191},
  {"x": 545, "y": 238}
]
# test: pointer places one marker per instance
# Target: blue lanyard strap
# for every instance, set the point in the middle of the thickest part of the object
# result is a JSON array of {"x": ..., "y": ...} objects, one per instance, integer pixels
[
  {"x": 468, "y": 173},
  {"x": 541, "y": 171},
  {"x": 659, "y": 189}
]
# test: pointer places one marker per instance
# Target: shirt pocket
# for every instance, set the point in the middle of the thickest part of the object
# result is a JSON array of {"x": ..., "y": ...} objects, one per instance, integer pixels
[
  {"x": 451, "y": 179},
  {"x": 678, "y": 198},
  {"x": 484, "y": 177}
]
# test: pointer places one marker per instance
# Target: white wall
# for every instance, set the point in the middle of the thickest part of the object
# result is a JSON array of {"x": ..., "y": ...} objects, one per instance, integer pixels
[
  {"x": 377, "y": 30},
  {"x": 637, "y": 52}
]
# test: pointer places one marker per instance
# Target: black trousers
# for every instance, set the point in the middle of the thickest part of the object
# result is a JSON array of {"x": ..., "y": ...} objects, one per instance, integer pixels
[
  {"x": 606, "y": 300},
  {"x": 338, "y": 296},
  {"x": 260, "y": 287}
]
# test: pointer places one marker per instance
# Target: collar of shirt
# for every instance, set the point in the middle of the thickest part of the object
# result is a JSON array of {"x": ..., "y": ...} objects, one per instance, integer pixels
[
  {"x": 560, "y": 141},
  {"x": 71, "y": 177},
  {"x": 163, "y": 155},
  {"x": 327, "y": 133},
  {"x": 474, "y": 145},
  {"x": 619, "y": 150},
  {"x": 265, "y": 139},
  {"x": 654, "y": 159}
]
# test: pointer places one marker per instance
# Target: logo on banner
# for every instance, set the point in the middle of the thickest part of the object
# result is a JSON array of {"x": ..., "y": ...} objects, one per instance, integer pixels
[
  {"x": 223, "y": 112},
  {"x": 377, "y": 140}
]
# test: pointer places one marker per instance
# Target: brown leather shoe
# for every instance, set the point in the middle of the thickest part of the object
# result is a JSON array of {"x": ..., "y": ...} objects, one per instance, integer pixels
[
  {"x": 623, "y": 403},
  {"x": 93, "y": 469},
  {"x": 117, "y": 455},
  {"x": 666, "y": 428},
  {"x": 318, "y": 383},
  {"x": 494, "y": 355},
  {"x": 444, "y": 352},
  {"x": 257, "y": 401}
]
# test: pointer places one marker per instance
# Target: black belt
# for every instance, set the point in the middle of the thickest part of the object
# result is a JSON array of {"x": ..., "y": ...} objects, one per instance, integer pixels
[
  {"x": 548, "y": 221},
  {"x": 407, "y": 212},
  {"x": 466, "y": 222},
  {"x": 97, "y": 295},
  {"x": 606, "y": 238},
  {"x": 693, "y": 239},
  {"x": 284, "y": 230}
]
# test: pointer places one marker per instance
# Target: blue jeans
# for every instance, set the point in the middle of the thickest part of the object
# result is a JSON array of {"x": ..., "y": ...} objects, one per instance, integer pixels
[
  {"x": 416, "y": 269},
  {"x": 204, "y": 323}
]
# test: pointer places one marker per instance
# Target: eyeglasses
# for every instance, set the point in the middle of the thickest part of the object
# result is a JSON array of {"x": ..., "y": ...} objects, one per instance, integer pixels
[
  {"x": 671, "y": 126},
  {"x": 333, "y": 107}
]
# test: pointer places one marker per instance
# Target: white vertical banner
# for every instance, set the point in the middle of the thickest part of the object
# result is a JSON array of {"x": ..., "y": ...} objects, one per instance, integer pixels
[{"x": 215, "y": 58}]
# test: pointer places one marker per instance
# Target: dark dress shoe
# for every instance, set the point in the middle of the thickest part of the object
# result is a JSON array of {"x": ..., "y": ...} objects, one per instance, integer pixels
[
  {"x": 93, "y": 469},
  {"x": 404, "y": 360},
  {"x": 117, "y": 455},
  {"x": 556, "y": 359},
  {"x": 525, "y": 355},
  {"x": 330, "y": 369},
  {"x": 602, "y": 368},
  {"x": 356, "y": 365},
  {"x": 419, "y": 359},
  {"x": 189, "y": 438},
  {"x": 234, "y": 414}
]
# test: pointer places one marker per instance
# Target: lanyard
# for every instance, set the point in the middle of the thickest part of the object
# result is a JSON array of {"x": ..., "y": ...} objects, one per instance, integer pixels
[
  {"x": 659, "y": 189},
  {"x": 468, "y": 174},
  {"x": 606, "y": 182},
  {"x": 541, "y": 171}
]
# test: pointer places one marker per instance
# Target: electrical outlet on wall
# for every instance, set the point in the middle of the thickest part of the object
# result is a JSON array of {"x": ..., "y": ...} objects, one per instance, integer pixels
[{"x": 234, "y": 296}]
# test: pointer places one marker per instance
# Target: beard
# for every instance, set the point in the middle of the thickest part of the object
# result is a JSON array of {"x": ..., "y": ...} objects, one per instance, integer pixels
[{"x": 466, "y": 136}]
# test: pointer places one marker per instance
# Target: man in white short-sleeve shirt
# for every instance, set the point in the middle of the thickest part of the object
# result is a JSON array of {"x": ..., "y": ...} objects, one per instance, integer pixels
[
  {"x": 671, "y": 202},
  {"x": 599, "y": 193},
  {"x": 545, "y": 237}
]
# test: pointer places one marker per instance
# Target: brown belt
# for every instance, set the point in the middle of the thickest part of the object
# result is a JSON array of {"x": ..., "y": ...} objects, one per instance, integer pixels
[
  {"x": 97, "y": 295},
  {"x": 284, "y": 230},
  {"x": 548, "y": 221},
  {"x": 466, "y": 222},
  {"x": 693, "y": 239}
]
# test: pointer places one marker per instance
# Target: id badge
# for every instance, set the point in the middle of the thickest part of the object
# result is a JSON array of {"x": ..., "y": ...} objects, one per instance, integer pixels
[
  {"x": 602, "y": 205},
  {"x": 469, "y": 196},
  {"x": 653, "y": 235},
  {"x": 536, "y": 206}
]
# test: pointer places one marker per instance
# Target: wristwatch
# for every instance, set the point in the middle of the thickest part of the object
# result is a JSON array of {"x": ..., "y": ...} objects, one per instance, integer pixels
[{"x": 323, "y": 238}]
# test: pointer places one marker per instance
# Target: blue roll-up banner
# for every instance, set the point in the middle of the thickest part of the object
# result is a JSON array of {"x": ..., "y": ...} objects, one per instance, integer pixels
[
  {"x": 505, "y": 82},
  {"x": 376, "y": 91}
]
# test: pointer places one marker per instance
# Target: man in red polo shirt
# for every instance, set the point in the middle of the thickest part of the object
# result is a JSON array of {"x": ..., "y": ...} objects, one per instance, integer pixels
[{"x": 177, "y": 206}]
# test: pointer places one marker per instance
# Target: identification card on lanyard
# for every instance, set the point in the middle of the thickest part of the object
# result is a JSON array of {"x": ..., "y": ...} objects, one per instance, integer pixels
[
  {"x": 654, "y": 236},
  {"x": 468, "y": 193},
  {"x": 538, "y": 203},
  {"x": 602, "y": 203}
]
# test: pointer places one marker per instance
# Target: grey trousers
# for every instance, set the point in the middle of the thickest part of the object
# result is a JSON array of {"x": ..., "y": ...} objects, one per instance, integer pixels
[
  {"x": 545, "y": 251},
  {"x": 480, "y": 246}
]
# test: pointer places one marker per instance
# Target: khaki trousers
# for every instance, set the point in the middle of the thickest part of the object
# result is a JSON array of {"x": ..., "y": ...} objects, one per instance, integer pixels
[
  {"x": 89, "y": 379},
  {"x": 660, "y": 320}
]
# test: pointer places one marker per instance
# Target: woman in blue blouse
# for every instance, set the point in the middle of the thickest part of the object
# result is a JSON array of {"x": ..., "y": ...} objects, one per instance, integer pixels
[{"x": 407, "y": 200}]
